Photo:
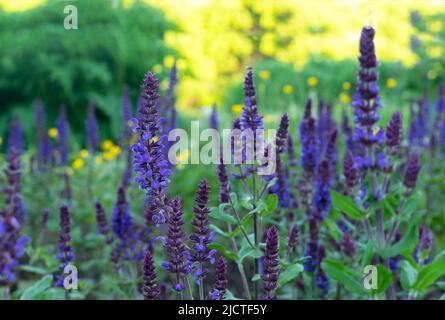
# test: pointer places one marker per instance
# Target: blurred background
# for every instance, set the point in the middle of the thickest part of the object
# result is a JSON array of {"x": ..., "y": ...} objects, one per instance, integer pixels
[{"x": 297, "y": 48}]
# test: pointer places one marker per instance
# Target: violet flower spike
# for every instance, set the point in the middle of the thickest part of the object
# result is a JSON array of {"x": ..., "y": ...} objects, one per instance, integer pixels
[
  {"x": 394, "y": 130},
  {"x": 63, "y": 132},
  {"x": 150, "y": 289},
  {"x": 92, "y": 128},
  {"x": 66, "y": 251},
  {"x": 412, "y": 170},
  {"x": 271, "y": 264},
  {"x": 220, "y": 285},
  {"x": 102, "y": 224},
  {"x": 175, "y": 248},
  {"x": 201, "y": 237}
]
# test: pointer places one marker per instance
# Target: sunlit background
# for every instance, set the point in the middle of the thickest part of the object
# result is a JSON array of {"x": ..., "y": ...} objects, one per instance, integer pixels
[{"x": 297, "y": 48}]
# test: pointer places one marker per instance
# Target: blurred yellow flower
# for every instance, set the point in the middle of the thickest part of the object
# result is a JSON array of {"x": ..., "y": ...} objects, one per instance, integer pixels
[
  {"x": 107, "y": 144},
  {"x": 346, "y": 85},
  {"x": 287, "y": 89},
  {"x": 84, "y": 153},
  {"x": 183, "y": 156},
  {"x": 116, "y": 150},
  {"x": 391, "y": 83},
  {"x": 157, "y": 68},
  {"x": 268, "y": 118},
  {"x": 264, "y": 74},
  {"x": 99, "y": 160},
  {"x": 237, "y": 108},
  {"x": 168, "y": 61},
  {"x": 1, "y": 141},
  {"x": 53, "y": 133},
  {"x": 109, "y": 156},
  {"x": 345, "y": 98},
  {"x": 312, "y": 81},
  {"x": 77, "y": 164}
]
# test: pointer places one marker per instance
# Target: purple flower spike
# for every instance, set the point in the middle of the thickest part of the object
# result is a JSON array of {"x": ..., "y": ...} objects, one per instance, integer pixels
[
  {"x": 423, "y": 250},
  {"x": 366, "y": 100},
  {"x": 349, "y": 170},
  {"x": 213, "y": 119},
  {"x": 150, "y": 288},
  {"x": 394, "y": 130},
  {"x": 149, "y": 158},
  {"x": 322, "y": 197},
  {"x": 220, "y": 285},
  {"x": 250, "y": 119},
  {"x": 122, "y": 222},
  {"x": 412, "y": 170},
  {"x": 92, "y": 128},
  {"x": 348, "y": 245},
  {"x": 292, "y": 240},
  {"x": 15, "y": 139},
  {"x": 63, "y": 132},
  {"x": 126, "y": 114},
  {"x": 174, "y": 247},
  {"x": 224, "y": 187},
  {"x": 66, "y": 252},
  {"x": 271, "y": 264},
  {"x": 102, "y": 224},
  {"x": 201, "y": 236},
  {"x": 282, "y": 133}
]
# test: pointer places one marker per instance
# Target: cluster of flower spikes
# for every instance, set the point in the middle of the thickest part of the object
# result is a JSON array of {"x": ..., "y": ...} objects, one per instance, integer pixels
[
  {"x": 12, "y": 218},
  {"x": 200, "y": 253},
  {"x": 149, "y": 159}
]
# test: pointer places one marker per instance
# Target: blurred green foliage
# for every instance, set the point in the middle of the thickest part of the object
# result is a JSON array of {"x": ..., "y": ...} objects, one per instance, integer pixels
[{"x": 113, "y": 45}]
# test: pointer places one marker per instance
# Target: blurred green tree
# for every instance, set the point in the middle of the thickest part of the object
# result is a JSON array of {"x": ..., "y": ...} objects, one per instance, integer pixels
[{"x": 114, "y": 44}]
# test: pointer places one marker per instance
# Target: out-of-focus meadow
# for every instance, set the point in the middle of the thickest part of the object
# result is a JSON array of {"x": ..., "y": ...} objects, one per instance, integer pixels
[{"x": 297, "y": 48}]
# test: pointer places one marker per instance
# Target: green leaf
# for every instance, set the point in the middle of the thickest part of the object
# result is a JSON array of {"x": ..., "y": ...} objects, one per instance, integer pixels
[
  {"x": 256, "y": 277},
  {"x": 38, "y": 288},
  {"x": 346, "y": 205},
  {"x": 348, "y": 278},
  {"x": 384, "y": 279},
  {"x": 408, "y": 275},
  {"x": 219, "y": 214},
  {"x": 367, "y": 254},
  {"x": 247, "y": 251},
  {"x": 290, "y": 273},
  {"x": 408, "y": 241},
  {"x": 32, "y": 269},
  {"x": 429, "y": 274},
  {"x": 271, "y": 202}
]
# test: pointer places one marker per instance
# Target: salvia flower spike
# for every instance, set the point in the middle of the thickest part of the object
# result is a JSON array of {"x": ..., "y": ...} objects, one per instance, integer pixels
[
  {"x": 220, "y": 285},
  {"x": 271, "y": 264},
  {"x": 66, "y": 251},
  {"x": 150, "y": 289}
]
